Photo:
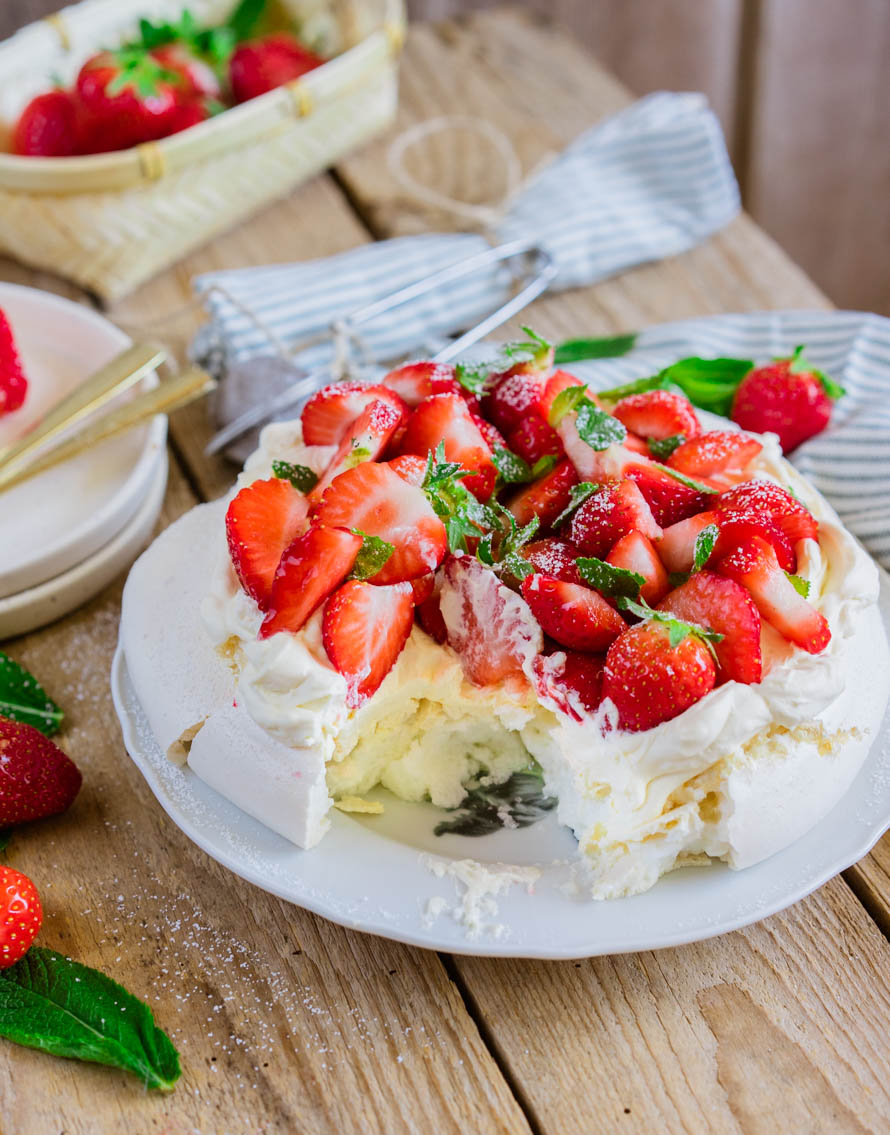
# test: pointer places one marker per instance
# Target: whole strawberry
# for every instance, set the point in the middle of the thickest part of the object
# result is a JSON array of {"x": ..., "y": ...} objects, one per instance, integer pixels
[
  {"x": 127, "y": 97},
  {"x": 263, "y": 64},
  {"x": 48, "y": 127},
  {"x": 20, "y": 915},
  {"x": 787, "y": 397},
  {"x": 13, "y": 384},
  {"x": 657, "y": 669},
  {"x": 36, "y": 778}
]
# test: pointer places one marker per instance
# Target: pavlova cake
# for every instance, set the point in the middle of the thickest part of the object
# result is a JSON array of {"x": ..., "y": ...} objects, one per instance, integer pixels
[{"x": 459, "y": 574}]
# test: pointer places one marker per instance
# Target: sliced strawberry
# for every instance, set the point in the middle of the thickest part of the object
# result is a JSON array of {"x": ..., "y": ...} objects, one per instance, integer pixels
[
  {"x": 547, "y": 497},
  {"x": 415, "y": 382},
  {"x": 669, "y": 499},
  {"x": 429, "y": 615},
  {"x": 446, "y": 418},
  {"x": 722, "y": 605},
  {"x": 754, "y": 565},
  {"x": 658, "y": 414},
  {"x": 262, "y": 520},
  {"x": 313, "y": 566},
  {"x": 559, "y": 381},
  {"x": 768, "y": 497},
  {"x": 488, "y": 625},
  {"x": 736, "y": 526},
  {"x": 330, "y": 412},
  {"x": 410, "y": 468},
  {"x": 36, "y": 778},
  {"x": 364, "y": 630},
  {"x": 636, "y": 444},
  {"x": 635, "y": 552},
  {"x": 513, "y": 398},
  {"x": 494, "y": 439},
  {"x": 573, "y": 615},
  {"x": 423, "y": 587},
  {"x": 677, "y": 544},
  {"x": 533, "y": 439},
  {"x": 374, "y": 499},
  {"x": 573, "y": 681},
  {"x": 650, "y": 681},
  {"x": 714, "y": 452},
  {"x": 555, "y": 558},
  {"x": 365, "y": 440},
  {"x": 13, "y": 384},
  {"x": 608, "y": 515}
]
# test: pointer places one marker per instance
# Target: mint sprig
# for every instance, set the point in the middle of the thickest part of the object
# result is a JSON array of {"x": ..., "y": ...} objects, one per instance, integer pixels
[
  {"x": 610, "y": 347},
  {"x": 515, "y": 470},
  {"x": 578, "y": 494},
  {"x": 708, "y": 383},
  {"x": 610, "y": 580},
  {"x": 52, "y": 1003},
  {"x": 300, "y": 476},
  {"x": 662, "y": 447},
  {"x": 704, "y": 546},
  {"x": 372, "y": 555},
  {"x": 595, "y": 427},
  {"x": 462, "y": 514},
  {"x": 22, "y": 698},
  {"x": 534, "y": 349}
]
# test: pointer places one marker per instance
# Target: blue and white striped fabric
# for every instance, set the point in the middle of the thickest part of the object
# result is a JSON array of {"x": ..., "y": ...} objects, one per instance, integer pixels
[
  {"x": 647, "y": 183},
  {"x": 850, "y": 462}
]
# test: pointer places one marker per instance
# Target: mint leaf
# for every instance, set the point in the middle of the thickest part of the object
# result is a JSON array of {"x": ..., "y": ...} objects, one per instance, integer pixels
[
  {"x": 637, "y": 386},
  {"x": 513, "y": 469},
  {"x": 578, "y": 494},
  {"x": 476, "y": 377},
  {"x": 372, "y": 555},
  {"x": 597, "y": 428},
  {"x": 663, "y": 447},
  {"x": 519, "y": 802},
  {"x": 677, "y": 578},
  {"x": 800, "y": 585},
  {"x": 357, "y": 455},
  {"x": 677, "y": 628},
  {"x": 517, "y": 565},
  {"x": 689, "y": 482},
  {"x": 457, "y": 508},
  {"x": 708, "y": 383},
  {"x": 49, "y": 1002},
  {"x": 573, "y": 350},
  {"x": 22, "y": 698},
  {"x": 544, "y": 465},
  {"x": 300, "y": 476},
  {"x": 566, "y": 401},
  {"x": 704, "y": 545},
  {"x": 608, "y": 579}
]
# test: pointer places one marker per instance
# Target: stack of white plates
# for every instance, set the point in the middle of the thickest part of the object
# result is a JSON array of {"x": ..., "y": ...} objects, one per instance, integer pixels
[{"x": 66, "y": 533}]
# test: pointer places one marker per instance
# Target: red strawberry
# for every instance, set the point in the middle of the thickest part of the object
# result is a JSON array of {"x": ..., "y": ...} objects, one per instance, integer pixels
[
  {"x": 574, "y": 681},
  {"x": 488, "y": 625},
  {"x": 669, "y": 499},
  {"x": 754, "y": 565},
  {"x": 423, "y": 587},
  {"x": 677, "y": 544},
  {"x": 313, "y": 566},
  {"x": 714, "y": 452},
  {"x": 494, "y": 439},
  {"x": 636, "y": 444},
  {"x": 187, "y": 115},
  {"x": 330, "y": 412},
  {"x": 649, "y": 681},
  {"x": 737, "y": 526},
  {"x": 555, "y": 385},
  {"x": 127, "y": 98},
  {"x": 364, "y": 629},
  {"x": 445, "y": 418},
  {"x": 768, "y": 497},
  {"x": 657, "y": 414},
  {"x": 515, "y": 395},
  {"x": 555, "y": 558},
  {"x": 13, "y": 384},
  {"x": 635, "y": 552},
  {"x": 48, "y": 127},
  {"x": 198, "y": 79},
  {"x": 262, "y": 520},
  {"x": 610, "y": 514},
  {"x": 573, "y": 615},
  {"x": 429, "y": 615},
  {"x": 261, "y": 65},
  {"x": 410, "y": 468},
  {"x": 788, "y": 397},
  {"x": 547, "y": 497},
  {"x": 415, "y": 382},
  {"x": 20, "y": 916},
  {"x": 533, "y": 439},
  {"x": 722, "y": 605},
  {"x": 375, "y": 499},
  {"x": 36, "y": 778},
  {"x": 364, "y": 440}
]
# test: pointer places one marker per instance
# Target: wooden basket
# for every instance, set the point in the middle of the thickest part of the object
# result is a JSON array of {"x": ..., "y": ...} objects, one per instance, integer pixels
[{"x": 110, "y": 221}]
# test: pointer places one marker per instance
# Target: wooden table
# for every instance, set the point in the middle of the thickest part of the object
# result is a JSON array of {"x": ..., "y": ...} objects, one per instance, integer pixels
[{"x": 288, "y": 1023}]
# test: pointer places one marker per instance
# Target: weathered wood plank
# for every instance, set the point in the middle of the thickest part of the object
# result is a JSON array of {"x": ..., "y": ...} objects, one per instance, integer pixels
[{"x": 285, "y": 1022}]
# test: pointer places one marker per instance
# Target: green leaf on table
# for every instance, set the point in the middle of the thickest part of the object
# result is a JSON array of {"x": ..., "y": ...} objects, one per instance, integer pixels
[
  {"x": 52, "y": 1003},
  {"x": 300, "y": 476},
  {"x": 597, "y": 428},
  {"x": 704, "y": 545},
  {"x": 662, "y": 447},
  {"x": 608, "y": 579},
  {"x": 516, "y": 803},
  {"x": 372, "y": 555},
  {"x": 611, "y": 347},
  {"x": 22, "y": 698},
  {"x": 578, "y": 494}
]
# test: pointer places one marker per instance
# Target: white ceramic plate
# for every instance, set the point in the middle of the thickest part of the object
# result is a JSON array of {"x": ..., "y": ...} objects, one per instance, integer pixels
[
  {"x": 61, "y": 517},
  {"x": 50, "y": 600}
]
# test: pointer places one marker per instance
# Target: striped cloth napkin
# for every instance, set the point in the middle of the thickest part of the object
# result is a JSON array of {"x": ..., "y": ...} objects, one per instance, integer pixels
[{"x": 650, "y": 182}]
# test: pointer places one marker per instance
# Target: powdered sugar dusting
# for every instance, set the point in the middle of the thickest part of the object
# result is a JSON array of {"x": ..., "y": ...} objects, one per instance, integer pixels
[{"x": 481, "y": 882}]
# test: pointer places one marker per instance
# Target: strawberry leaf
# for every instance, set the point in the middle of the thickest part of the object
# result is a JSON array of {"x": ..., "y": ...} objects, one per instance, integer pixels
[
  {"x": 677, "y": 628},
  {"x": 608, "y": 579},
  {"x": 300, "y": 476},
  {"x": 52, "y": 1003},
  {"x": 23, "y": 699},
  {"x": 704, "y": 545},
  {"x": 597, "y": 428},
  {"x": 372, "y": 555},
  {"x": 663, "y": 447},
  {"x": 245, "y": 18},
  {"x": 800, "y": 585},
  {"x": 798, "y": 364},
  {"x": 574, "y": 350},
  {"x": 578, "y": 494},
  {"x": 474, "y": 376}
]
